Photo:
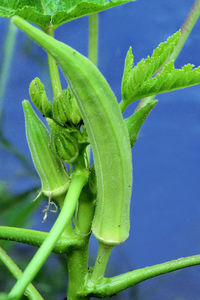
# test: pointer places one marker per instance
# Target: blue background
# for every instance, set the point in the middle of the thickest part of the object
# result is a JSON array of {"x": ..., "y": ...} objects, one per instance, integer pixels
[{"x": 165, "y": 211}]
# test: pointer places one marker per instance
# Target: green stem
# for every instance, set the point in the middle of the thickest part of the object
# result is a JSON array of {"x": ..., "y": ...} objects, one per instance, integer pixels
[
  {"x": 93, "y": 38},
  {"x": 78, "y": 181},
  {"x": 53, "y": 68},
  {"x": 30, "y": 292},
  {"x": 85, "y": 214},
  {"x": 77, "y": 264},
  {"x": 7, "y": 59},
  {"x": 36, "y": 238},
  {"x": 101, "y": 262},
  {"x": 110, "y": 286},
  {"x": 185, "y": 32}
]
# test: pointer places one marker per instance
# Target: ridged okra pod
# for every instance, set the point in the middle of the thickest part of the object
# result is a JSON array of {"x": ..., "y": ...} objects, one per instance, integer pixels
[
  {"x": 53, "y": 175},
  {"x": 107, "y": 133}
]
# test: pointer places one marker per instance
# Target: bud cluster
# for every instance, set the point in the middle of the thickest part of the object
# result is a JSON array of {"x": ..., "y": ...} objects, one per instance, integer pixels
[{"x": 68, "y": 137}]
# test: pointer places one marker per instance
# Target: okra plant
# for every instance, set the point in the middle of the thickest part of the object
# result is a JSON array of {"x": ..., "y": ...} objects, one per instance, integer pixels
[{"x": 81, "y": 147}]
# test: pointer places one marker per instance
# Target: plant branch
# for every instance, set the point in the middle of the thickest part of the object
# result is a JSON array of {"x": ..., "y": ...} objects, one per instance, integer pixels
[
  {"x": 79, "y": 179},
  {"x": 110, "y": 286},
  {"x": 53, "y": 68},
  {"x": 36, "y": 238},
  {"x": 30, "y": 292},
  {"x": 93, "y": 38}
]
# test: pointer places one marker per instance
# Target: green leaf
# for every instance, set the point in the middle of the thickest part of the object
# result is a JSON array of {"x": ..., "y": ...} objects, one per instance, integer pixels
[
  {"x": 55, "y": 12},
  {"x": 168, "y": 80},
  {"x": 135, "y": 122},
  {"x": 134, "y": 78}
]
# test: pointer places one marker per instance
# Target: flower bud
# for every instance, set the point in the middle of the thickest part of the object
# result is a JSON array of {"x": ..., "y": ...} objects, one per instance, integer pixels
[
  {"x": 63, "y": 144},
  {"x": 65, "y": 109},
  {"x": 39, "y": 97}
]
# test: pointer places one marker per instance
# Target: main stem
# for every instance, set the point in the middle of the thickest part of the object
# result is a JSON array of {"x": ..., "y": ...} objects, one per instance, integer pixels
[
  {"x": 77, "y": 264},
  {"x": 78, "y": 181}
]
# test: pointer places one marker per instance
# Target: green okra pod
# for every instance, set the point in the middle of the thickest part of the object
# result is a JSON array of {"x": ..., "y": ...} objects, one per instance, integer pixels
[
  {"x": 107, "y": 133},
  {"x": 53, "y": 175}
]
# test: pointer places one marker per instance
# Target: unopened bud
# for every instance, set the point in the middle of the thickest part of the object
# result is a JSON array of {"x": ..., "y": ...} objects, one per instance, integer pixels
[{"x": 39, "y": 97}]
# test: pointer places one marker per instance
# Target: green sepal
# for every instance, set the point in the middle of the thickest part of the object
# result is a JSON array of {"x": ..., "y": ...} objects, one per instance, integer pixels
[
  {"x": 65, "y": 109},
  {"x": 63, "y": 144},
  {"x": 135, "y": 122},
  {"x": 52, "y": 172},
  {"x": 39, "y": 97}
]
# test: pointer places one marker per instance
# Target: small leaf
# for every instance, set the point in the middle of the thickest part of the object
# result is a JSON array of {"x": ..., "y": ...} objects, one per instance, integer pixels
[
  {"x": 128, "y": 66},
  {"x": 135, "y": 122},
  {"x": 140, "y": 83},
  {"x": 168, "y": 80},
  {"x": 146, "y": 68},
  {"x": 46, "y": 12}
]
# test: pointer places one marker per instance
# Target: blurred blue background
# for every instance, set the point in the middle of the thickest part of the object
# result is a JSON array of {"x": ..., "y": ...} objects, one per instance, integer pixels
[{"x": 165, "y": 211}]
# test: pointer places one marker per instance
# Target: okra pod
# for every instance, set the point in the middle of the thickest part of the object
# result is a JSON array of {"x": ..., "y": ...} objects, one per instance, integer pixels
[
  {"x": 53, "y": 175},
  {"x": 107, "y": 133}
]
